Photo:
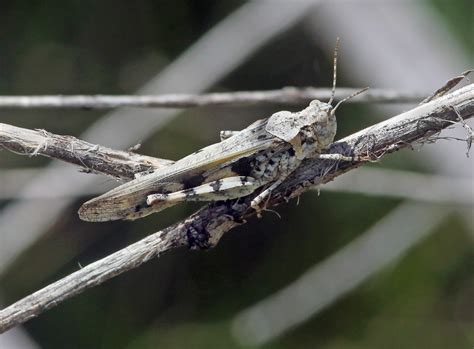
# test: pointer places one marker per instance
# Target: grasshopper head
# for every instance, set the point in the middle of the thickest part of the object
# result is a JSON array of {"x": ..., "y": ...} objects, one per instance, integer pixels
[
  {"x": 321, "y": 123},
  {"x": 321, "y": 118}
]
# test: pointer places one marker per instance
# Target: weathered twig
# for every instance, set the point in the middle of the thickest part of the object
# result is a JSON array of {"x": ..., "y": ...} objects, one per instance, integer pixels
[
  {"x": 204, "y": 228},
  {"x": 288, "y": 95},
  {"x": 91, "y": 157}
]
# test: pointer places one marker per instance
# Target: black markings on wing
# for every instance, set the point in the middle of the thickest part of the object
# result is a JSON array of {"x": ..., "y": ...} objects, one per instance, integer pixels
[
  {"x": 138, "y": 208},
  {"x": 216, "y": 185},
  {"x": 193, "y": 181},
  {"x": 243, "y": 166}
]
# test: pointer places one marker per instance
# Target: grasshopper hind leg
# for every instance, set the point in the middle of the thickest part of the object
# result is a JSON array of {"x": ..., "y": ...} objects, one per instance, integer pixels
[{"x": 221, "y": 189}]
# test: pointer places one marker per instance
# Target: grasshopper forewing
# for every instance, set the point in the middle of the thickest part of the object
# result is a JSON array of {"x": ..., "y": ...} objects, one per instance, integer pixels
[{"x": 129, "y": 201}]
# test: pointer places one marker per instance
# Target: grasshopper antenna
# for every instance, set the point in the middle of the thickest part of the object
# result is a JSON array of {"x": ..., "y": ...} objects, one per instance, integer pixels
[
  {"x": 334, "y": 72},
  {"x": 348, "y": 97},
  {"x": 334, "y": 76}
]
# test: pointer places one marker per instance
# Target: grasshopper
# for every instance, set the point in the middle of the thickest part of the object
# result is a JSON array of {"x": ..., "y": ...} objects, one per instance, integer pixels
[{"x": 260, "y": 156}]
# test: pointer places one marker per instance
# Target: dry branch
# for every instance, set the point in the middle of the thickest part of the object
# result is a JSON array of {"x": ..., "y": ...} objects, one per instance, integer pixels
[
  {"x": 288, "y": 95},
  {"x": 91, "y": 157},
  {"x": 204, "y": 228}
]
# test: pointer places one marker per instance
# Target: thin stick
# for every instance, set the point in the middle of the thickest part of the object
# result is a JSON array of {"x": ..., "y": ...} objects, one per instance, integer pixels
[{"x": 288, "y": 95}]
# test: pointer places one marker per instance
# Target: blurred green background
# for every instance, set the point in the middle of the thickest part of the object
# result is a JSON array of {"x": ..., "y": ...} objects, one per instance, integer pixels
[{"x": 188, "y": 299}]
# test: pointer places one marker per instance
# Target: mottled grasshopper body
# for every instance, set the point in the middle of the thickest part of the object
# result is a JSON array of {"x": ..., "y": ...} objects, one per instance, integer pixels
[{"x": 260, "y": 156}]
